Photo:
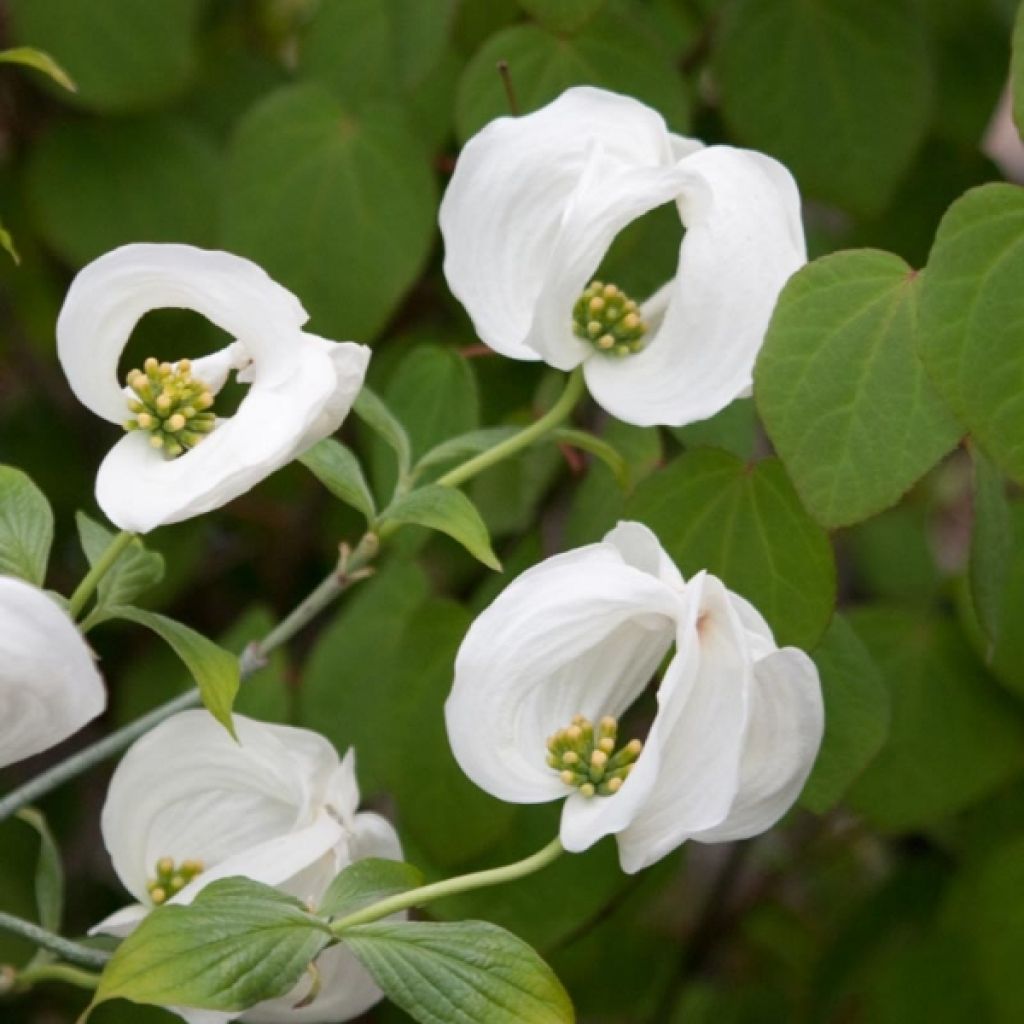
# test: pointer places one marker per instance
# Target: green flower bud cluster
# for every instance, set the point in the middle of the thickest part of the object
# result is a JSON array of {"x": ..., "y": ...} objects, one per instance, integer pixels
[
  {"x": 171, "y": 879},
  {"x": 585, "y": 757},
  {"x": 609, "y": 319},
  {"x": 171, "y": 405}
]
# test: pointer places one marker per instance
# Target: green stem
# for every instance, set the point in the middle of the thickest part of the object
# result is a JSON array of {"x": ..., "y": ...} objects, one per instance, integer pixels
[
  {"x": 30, "y": 976},
  {"x": 450, "y": 887},
  {"x": 350, "y": 569},
  {"x": 551, "y": 419},
  {"x": 73, "y": 952},
  {"x": 103, "y": 565}
]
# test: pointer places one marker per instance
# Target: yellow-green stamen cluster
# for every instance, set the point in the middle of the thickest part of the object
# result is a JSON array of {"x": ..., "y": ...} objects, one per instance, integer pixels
[
  {"x": 585, "y": 757},
  {"x": 170, "y": 405},
  {"x": 171, "y": 878},
  {"x": 609, "y": 319}
]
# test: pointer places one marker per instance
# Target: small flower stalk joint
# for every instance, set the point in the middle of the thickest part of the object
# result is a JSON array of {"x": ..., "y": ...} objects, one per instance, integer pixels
[
  {"x": 171, "y": 405},
  {"x": 609, "y": 319},
  {"x": 586, "y": 758}
]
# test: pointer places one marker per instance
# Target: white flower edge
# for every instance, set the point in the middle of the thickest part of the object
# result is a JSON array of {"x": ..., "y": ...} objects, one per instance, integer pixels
[
  {"x": 738, "y": 725},
  {"x": 302, "y": 386},
  {"x": 278, "y": 807},
  {"x": 49, "y": 685},
  {"x": 536, "y": 201}
]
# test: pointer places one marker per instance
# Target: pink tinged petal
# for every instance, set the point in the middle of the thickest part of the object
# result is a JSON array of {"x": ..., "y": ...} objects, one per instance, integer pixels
[
  {"x": 787, "y": 720},
  {"x": 581, "y": 633},
  {"x": 700, "y": 730},
  {"x": 743, "y": 241},
  {"x": 49, "y": 686},
  {"x": 514, "y": 185}
]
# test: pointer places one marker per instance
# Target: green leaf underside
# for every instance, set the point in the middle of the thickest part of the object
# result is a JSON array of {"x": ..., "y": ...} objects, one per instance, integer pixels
[
  {"x": 469, "y": 972},
  {"x": 134, "y": 572},
  {"x": 449, "y": 511},
  {"x": 26, "y": 527},
  {"x": 379, "y": 418},
  {"x": 30, "y": 57},
  {"x": 972, "y": 315},
  {"x": 746, "y": 525},
  {"x": 337, "y": 468},
  {"x": 237, "y": 944},
  {"x": 991, "y": 544},
  {"x": 214, "y": 670},
  {"x": 368, "y": 881},
  {"x": 465, "y": 446},
  {"x": 1017, "y": 71},
  {"x": 49, "y": 876},
  {"x": 7, "y": 244},
  {"x": 841, "y": 391}
]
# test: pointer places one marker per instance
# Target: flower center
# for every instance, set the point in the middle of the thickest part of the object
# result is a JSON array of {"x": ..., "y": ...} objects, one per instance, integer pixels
[
  {"x": 171, "y": 405},
  {"x": 586, "y": 759},
  {"x": 609, "y": 319},
  {"x": 171, "y": 878}
]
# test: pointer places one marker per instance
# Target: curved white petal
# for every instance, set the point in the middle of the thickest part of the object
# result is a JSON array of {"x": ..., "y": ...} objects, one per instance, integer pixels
[
  {"x": 743, "y": 240},
  {"x": 49, "y": 686},
  {"x": 188, "y": 791},
  {"x": 640, "y": 548},
  {"x": 121, "y": 922},
  {"x": 787, "y": 720},
  {"x": 373, "y": 835},
  {"x": 515, "y": 184},
  {"x": 700, "y": 730},
  {"x": 581, "y": 633}
]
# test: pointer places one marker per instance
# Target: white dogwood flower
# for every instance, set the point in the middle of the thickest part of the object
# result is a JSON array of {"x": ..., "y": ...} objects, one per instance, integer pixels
[
  {"x": 49, "y": 686},
  {"x": 536, "y": 201},
  {"x": 546, "y": 671},
  {"x": 188, "y": 805},
  {"x": 179, "y": 459}
]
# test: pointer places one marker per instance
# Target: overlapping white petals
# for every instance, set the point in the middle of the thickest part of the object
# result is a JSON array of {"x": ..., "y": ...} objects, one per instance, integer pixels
[
  {"x": 278, "y": 807},
  {"x": 49, "y": 686},
  {"x": 301, "y": 386},
  {"x": 738, "y": 721},
  {"x": 536, "y": 201}
]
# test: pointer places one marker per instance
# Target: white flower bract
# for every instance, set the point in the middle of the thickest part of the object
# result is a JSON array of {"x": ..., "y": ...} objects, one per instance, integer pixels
[
  {"x": 301, "y": 386},
  {"x": 536, "y": 201},
  {"x": 738, "y": 724},
  {"x": 278, "y": 807},
  {"x": 49, "y": 686}
]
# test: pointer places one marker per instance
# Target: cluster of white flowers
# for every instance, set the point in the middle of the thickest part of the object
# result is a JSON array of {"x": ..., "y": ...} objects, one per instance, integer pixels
[{"x": 547, "y": 671}]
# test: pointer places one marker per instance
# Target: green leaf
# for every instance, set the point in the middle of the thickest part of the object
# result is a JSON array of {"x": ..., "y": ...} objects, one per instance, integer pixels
[
  {"x": 215, "y": 670},
  {"x": 1006, "y": 656},
  {"x": 814, "y": 85},
  {"x": 610, "y": 52},
  {"x": 562, "y": 15},
  {"x": 465, "y": 973},
  {"x": 26, "y": 527},
  {"x": 339, "y": 209},
  {"x": 380, "y": 419},
  {"x": 954, "y": 736},
  {"x": 745, "y": 524},
  {"x": 451, "y": 512},
  {"x": 96, "y": 184},
  {"x": 991, "y": 544},
  {"x": 7, "y": 244},
  {"x": 124, "y": 56},
  {"x": 857, "y": 710},
  {"x": 971, "y": 308},
  {"x": 1017, "y": 71},
  {"x": 464, "y": 446},
  {"x": 134, "y": 572},
  {"x": 596, "y": 446},
  {"x": 49, "y": 879},
  {"x": 734, "y": 429},
  {"x": 841, "y": 391},
  {"x": 30, "y": 57},
  {"x": 339, "y": 471},
  {"x": 368, "y": 881},
  {"x": 237, "y": 944}
]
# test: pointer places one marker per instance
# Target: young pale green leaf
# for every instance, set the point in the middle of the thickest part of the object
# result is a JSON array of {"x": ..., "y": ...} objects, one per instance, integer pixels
[
  {"x": 368, "y": 881},
  {"x": 468, "y": 972},
  {"x": 745, "y": 524},
  {"x": 337, "y": 468},
  {"x": 134, "y": 572},
  {"x": 826, "y": 110},
  {"x": 857, "y": 711},
  {"x": 450, "y": 511},
  {"x": 972, "y": 305},
  {"x": 841, "y": 391},
  {"x": 609, "y": 455},
  {"x": 49, "y": 880},
  {"x": 465, "y": 446},
  {"x": 26, "y": 527},
  {"x": 215, "y": 670},
  {"x": 237, "y": 944},
  {"x": 991, "y": 544},
  {"x": 7, "y": 244},
  {"x": 382, "y": 421},
  {"x": 30, "y": 57}
]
